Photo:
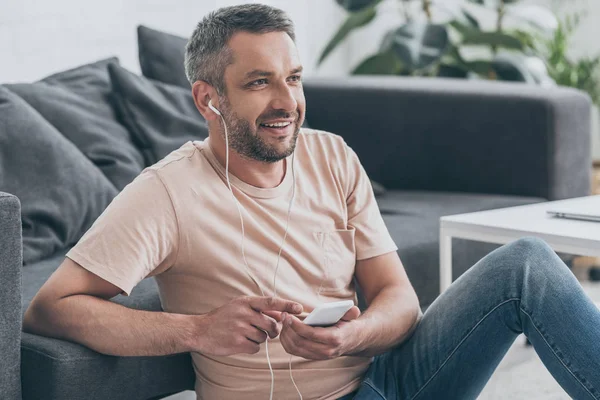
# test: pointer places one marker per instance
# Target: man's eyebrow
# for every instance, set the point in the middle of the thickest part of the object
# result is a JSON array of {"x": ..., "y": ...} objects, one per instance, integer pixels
[
  {"x": 258, "y": 72},
  {"x": 261, "y": 73}
]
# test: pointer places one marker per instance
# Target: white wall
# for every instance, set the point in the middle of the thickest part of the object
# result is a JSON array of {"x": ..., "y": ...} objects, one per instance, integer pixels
[
  {"x": 585, "y": 39},
  {"x": 38, "y": 38}
]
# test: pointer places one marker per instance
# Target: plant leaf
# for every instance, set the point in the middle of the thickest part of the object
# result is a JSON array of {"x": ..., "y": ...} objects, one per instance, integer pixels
[
  {"x": 462, "y": 28},
  {"x": 479, "y": 38},
  {"x": 387, "y": 41},
  {"x": 493, "y": 4},
  {"x": 356, "y": 5},
  {"x": 418, "y": 44},
  {"x": 379, "y": 64},
  {"x": 511, "y": 67},
  {"x": 472, "y": 20},
  {"x": 480, "y": 67},
  {"x": 353, "y": 21},
  {"x": 452, "y": 71}
]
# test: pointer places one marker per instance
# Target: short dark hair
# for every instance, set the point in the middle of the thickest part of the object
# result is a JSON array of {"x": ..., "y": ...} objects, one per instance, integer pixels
[{"x": 207, "y": 54}]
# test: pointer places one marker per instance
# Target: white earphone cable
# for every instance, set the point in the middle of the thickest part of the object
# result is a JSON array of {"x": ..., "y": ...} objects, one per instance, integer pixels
[
  {"x": 287, "y": 224},
  {"x": 239, "y": 208}
]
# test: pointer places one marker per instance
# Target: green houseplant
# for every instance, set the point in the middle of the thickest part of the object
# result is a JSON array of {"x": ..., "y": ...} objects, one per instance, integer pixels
[
  {"x": 582, "y": 73},
  {"x": 424, "y": 46}
]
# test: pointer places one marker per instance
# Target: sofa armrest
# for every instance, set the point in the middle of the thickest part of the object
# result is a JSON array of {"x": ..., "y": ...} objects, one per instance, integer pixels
[
  {"x": 11, "y": 260},
  {"x": 457, "y": 135}
]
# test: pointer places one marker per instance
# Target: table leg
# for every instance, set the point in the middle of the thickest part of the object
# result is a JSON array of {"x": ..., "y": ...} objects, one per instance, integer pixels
[{"x": 445, "y": 260}]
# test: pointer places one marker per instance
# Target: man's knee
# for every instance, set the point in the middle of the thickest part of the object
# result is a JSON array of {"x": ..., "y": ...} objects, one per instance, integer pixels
[
  {"x": 531, "y": 244},
  {"x": 531, "y": 248}
]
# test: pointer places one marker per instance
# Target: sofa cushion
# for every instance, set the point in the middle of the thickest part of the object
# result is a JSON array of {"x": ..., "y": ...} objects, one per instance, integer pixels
[
  {"x": 160, "y": 116},
  {"x": 413, "y": 220},
  {"x": 76, "y": 102},
  {"x": 59, "y": 369},
  {"x": 60, "y": 190},
  {"x": 162, "y": 56}
]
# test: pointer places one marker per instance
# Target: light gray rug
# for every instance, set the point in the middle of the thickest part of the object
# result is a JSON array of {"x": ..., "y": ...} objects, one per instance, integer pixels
[{"x": 521, "y": 375}]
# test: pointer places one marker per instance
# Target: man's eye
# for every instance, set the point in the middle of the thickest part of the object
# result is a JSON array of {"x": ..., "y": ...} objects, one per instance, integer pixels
[
  {"x": 296, "y": 78},
  {"x": 258, "y": 82}
]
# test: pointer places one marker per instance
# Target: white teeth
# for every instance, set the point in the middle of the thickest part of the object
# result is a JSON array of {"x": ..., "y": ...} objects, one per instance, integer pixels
[{"x": 277, "y": 125}]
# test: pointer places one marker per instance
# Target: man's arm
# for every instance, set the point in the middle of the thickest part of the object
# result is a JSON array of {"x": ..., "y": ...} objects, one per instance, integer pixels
[
  {"x": 393, "y": 307},
  {"x": 74, "y": 305}
]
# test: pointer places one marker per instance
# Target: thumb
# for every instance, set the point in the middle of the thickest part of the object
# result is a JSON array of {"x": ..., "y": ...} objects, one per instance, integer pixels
[{"x": 351, "y": 314}]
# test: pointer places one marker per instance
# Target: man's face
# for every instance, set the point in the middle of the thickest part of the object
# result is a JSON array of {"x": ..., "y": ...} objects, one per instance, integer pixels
[{"x": 263, "y": 88}]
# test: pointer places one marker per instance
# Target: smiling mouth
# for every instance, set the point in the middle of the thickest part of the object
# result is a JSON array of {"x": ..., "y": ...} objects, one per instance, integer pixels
[{"x": 279, "y": 128}]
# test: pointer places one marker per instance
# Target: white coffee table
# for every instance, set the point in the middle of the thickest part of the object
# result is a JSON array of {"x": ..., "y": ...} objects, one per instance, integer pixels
[{"x": 505, "y": 225}]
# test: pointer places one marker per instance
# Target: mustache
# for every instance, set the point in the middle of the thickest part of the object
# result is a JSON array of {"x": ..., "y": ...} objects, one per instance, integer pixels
[{"x": 280, "y": 114}]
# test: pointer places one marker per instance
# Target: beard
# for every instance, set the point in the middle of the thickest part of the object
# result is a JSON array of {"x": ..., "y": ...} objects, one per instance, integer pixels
[{"x": 243, "y": 136}]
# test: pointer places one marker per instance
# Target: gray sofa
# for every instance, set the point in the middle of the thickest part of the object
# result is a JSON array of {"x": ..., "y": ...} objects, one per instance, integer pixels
[{"x": 439, "y": 147}]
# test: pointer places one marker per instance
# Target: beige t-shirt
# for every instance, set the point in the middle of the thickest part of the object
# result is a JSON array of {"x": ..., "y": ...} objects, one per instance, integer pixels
[{"x": 177, "y": 221}]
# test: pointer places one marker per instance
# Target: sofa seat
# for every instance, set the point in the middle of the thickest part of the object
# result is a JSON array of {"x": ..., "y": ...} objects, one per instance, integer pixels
[
  {"x": 58, "y": 369},
  {"x": 413, "y": 219}
]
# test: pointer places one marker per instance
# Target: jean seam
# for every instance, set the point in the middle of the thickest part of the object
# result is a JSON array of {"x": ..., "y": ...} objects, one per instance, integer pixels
[
  {"x": 556, "y": 355},
  {"x": 460, "y": 344},
  {"x": 374, "y": 389}
]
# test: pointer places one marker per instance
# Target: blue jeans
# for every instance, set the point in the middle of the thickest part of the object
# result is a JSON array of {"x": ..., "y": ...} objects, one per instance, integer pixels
[{"x": 522, "y": 287}]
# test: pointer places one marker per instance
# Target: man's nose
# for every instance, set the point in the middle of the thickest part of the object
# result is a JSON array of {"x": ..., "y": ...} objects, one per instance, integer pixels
[{"x": 285, "y": 99}]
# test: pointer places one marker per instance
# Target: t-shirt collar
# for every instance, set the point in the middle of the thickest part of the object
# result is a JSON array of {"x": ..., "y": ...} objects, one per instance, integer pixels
[{"x": 253, "y": 191}]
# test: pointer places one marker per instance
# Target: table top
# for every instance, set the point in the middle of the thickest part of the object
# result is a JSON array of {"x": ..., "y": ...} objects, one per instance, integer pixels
[{"x": 505, "y": 224}]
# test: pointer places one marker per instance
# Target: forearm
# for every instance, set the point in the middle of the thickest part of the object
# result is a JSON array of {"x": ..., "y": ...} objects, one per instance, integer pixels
[
  {"x": 390, "y": 319},
  {"x": 111, "y": 328}
]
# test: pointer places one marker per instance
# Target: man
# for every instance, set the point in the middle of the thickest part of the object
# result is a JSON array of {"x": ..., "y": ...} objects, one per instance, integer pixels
[{"x": 222, "y": 299}]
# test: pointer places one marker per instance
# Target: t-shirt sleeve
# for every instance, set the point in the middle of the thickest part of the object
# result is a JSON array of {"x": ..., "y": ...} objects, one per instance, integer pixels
[
  {"x": 135, "y": 237},
  {"x": 372, "y": 237}
]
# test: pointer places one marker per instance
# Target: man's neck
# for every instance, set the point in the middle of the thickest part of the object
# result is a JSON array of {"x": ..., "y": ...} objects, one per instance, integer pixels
[{"x": 253, "y": 172}]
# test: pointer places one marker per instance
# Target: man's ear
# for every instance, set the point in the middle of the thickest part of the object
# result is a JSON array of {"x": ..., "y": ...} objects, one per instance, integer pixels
[{"x": 202, "y": 93}]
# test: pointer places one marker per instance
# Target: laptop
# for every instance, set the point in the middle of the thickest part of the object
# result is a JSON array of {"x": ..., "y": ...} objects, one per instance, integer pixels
[{"x": 585, "y": 212}]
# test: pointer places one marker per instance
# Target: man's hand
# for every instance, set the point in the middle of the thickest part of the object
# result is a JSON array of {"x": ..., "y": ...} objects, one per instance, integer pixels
[
  {"x": 240, "y": 326},
  {"x": 317, "y": 343}
]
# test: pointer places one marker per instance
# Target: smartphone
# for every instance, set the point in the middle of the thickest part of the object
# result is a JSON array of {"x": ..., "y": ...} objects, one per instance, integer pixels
[{"x": 328, "y": 314}]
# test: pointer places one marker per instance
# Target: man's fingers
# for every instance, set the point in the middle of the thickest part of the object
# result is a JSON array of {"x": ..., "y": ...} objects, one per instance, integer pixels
[
  {"x": 351, "y": 314},
  {"x": 256, "y": 335},
  {"x": 276, "y": 315},
  {"x": 266, "y": 323},
  {"x": 262, "y": 304},
  {"x": 317, "y": 334},
  {"x": 299, "y": 346}
]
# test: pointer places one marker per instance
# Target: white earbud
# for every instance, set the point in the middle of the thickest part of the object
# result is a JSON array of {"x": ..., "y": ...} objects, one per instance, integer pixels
[{"x": 210, "y": 105}]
